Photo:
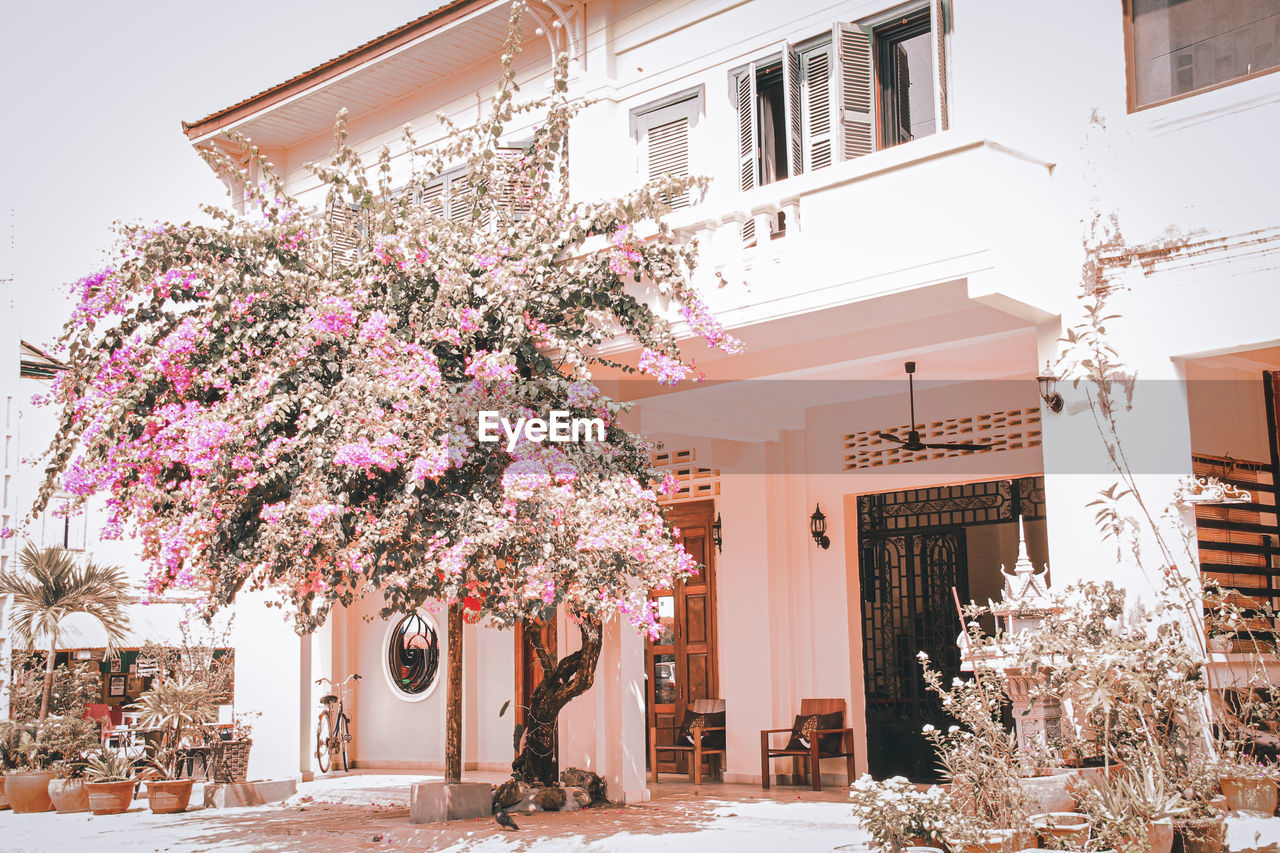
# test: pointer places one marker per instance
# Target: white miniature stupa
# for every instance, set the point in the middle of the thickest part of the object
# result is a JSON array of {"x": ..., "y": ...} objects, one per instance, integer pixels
[{"x": 1024, "y": 601}]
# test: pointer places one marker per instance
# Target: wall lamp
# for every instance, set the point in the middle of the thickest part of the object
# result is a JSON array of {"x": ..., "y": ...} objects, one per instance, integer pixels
[
  {"x": 818, "y": 528},
  {"x": 1049, "y": 389},
  {"x": 716, "y": 532}
]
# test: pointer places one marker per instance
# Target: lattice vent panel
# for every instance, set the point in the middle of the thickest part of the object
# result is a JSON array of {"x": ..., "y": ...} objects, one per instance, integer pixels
[
  {"x": 696, "y": 481},
  {"x": 1014, "y": 429}
]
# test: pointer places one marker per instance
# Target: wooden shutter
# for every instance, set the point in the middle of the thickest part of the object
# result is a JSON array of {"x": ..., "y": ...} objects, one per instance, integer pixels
[
  {"x": 748, "y": 141},
  {"x": 344, "y": 232},
  {"x": 791, "y": 95},
  {"x": 459, "y": 198},
  {"x": 667, "y": 150},
  {"x": 817, "y": 99},
  {"x": 432, "y": 198},
  {"x": 938, "y": 27},
  {"x": 513, "y": 196},
  {"x": 854, "y": 92}
]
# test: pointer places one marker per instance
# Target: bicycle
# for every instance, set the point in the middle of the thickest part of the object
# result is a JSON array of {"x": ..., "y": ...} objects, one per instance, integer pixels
[{"x": 333, "y": 728}]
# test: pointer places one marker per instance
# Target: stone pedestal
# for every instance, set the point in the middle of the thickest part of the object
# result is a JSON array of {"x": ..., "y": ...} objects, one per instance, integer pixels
[
  {"x": 432, "y": 802},
  {"x": 236, "y": 794},
  {"x": 1038, "y": 722}
]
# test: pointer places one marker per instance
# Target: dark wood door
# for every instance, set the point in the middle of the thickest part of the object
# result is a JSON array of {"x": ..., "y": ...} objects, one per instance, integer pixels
[
  {"x": 529, "y": 670},
  {"x": 681, "y": 664}
]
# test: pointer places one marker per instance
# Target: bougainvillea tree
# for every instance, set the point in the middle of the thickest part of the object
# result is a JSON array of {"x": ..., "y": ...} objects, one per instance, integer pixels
[{"x": 288, "y": 399}]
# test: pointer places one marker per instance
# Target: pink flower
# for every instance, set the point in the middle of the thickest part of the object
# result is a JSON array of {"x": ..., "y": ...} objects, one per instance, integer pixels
[
  {"x": 667, "y": 370},
  {"x": 318, "y": 513},
  {"x": 334, "y": 315},
  {"x": 272, "y": 513}
]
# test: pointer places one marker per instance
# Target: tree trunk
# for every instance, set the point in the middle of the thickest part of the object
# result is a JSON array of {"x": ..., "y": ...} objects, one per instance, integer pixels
[
  {"x": 46, "y": 695},
  {"x": 453, "y": 699},
  {"x": 561, "y": 682}
]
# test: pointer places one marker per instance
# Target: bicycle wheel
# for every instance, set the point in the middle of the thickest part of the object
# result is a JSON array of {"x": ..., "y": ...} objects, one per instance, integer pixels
[
  {"x": 343, "y": 738},
  {"x": 322, "y": 743}
]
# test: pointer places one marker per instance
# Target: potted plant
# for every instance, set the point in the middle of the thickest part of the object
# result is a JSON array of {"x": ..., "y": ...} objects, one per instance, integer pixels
[
  {"x": 981, "y": 760},
  {"x": 1134, "y": 810},
  {"x": 111, "y": 783},
  {"x": 26, "y": 782},
  {"x": 1202, "y": 829},
  {"x": 177, "y": 707},
  {"x": 69, "y": 740},
  {"x": 231, "y": 753},
  {"x": 899, "y": 815},
  {"x": 1248, "y": 784}
]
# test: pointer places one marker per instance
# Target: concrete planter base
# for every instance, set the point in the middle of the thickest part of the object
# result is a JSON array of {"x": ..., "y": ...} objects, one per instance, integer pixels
[
  {"x": 236, "y": 794},
  {"x": 432, "y": 802}
]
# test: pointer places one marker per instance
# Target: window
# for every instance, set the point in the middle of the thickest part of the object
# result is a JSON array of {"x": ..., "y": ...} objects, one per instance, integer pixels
[
  {"x": 663, "y": 130},
  {"x": 820, "y": 101},
  {"x": 413, "y": 656},
  {"x": 904, "y": 54},
  {"x": 63, "y": 524},
  {"x": 1177, "y": 47}
]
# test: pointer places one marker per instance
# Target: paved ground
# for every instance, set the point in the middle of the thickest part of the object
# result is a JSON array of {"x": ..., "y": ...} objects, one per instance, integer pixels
[{"x": 370, "y": 812}]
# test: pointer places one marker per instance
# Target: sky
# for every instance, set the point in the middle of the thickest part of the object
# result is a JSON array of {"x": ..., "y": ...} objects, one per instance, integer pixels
[{"x": 93, "y": 99}]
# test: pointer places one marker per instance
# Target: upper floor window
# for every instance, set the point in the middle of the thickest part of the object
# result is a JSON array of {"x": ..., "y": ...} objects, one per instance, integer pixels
[
  {"x": 1177, "y": 47},
  {"x": 904, "y": 68},
  {"x": 842, "y": 95},
  {"x": 663, "y": 130},
  {"x": 62, "y": 525}
]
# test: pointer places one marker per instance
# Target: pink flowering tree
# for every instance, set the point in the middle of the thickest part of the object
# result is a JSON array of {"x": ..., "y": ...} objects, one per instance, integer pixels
[{"x": 288, "y": 399}]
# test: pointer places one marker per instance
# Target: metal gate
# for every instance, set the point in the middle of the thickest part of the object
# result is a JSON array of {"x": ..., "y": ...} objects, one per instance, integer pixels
[{"x": 912, "y": 549}]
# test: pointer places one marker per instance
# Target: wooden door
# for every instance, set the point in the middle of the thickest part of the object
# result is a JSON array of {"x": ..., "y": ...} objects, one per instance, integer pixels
[
  {"x": 529, "y": 669},
  {"x": 681, "y": 664}
]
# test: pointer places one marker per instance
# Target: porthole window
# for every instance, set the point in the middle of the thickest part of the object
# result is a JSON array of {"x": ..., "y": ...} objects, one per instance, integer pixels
[{"x": 413, "y": 656}]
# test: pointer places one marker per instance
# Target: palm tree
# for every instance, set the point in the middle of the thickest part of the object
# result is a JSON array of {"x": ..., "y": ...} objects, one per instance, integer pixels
[{"x": 49, "y": 588}]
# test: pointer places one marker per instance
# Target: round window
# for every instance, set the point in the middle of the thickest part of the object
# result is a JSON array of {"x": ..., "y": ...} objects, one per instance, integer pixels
[{"x": 413, "y": 655}]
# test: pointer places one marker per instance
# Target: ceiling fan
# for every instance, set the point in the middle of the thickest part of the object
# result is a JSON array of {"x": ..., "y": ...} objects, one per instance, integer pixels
[{"x": 912, "y": 441}]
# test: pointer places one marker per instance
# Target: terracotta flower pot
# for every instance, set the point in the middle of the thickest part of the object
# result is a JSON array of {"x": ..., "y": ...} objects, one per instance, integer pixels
[
  {"x": 169, "y": 796},
  {"x": 1160, "y": 837},
  {"x": 1064, "y": 826},
  {"x": 1249, "y": 793},
  {"x": 110, "y": 797},
  {"x": 29, "y": 791},
  {"x": 69, "y": 795},
  {"x": 1202, "y": 836},
  {"x": 4, "y": 798},
  {"x": 1050, "y": 792}
]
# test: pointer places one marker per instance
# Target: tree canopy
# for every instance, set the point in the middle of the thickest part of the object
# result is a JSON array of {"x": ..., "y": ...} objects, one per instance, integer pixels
[{"x": 288, "y": 397}]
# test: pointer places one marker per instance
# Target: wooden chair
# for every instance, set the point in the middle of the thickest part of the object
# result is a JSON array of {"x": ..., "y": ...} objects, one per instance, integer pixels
[
  {"x": 695, "y": 751},
  {"x": 809, "y": 758}
]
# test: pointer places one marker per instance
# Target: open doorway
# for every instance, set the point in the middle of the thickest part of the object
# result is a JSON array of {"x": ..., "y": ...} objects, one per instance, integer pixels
[{"x": 915, "y": 547}]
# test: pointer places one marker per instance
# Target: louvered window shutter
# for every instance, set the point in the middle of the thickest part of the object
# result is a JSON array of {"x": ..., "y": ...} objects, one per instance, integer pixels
[
  {"x": 513, "y": 196},
  {"x": 748, "y": 144},
  {"x": 791, "y": 92},
  {"x": 939, "y": 24},
  {"x": 432, "y": 198},
  {"x": 817, "y": 106},
  {"x": 667, "y": 150},
  {"x": 344, "y": 229},
  {"x": 458, "y": 198},
  {"x": 854, "y": 93}
]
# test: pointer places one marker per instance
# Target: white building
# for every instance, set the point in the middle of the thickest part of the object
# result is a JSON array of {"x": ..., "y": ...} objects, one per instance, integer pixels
[{"x": 923, "y": 181}]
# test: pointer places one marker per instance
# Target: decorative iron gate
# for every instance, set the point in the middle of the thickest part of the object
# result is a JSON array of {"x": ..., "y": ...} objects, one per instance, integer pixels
[{"x": 912, "y": 549}]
